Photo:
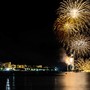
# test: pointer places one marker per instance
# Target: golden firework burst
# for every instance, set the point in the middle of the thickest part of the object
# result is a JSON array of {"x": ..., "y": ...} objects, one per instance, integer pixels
[
  {"x": 82, "y": 65},
  {"x": 64, "y": 29},
  {"x": 76, "y": 13},
  {"x": 80, "y": 44}
]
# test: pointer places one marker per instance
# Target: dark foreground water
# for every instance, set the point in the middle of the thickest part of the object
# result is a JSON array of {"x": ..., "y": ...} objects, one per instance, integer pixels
[{"x": 62, "y": 81}]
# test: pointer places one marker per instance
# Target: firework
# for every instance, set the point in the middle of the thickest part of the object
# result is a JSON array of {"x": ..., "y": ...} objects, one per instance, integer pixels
[
  {"x": 65, "y": 26},
  {"x": 82, "y": 65},
  {"x": 80, "y": 44},
  {"x": 63, "y": 29},
  {"x": 76, "y": 14}
]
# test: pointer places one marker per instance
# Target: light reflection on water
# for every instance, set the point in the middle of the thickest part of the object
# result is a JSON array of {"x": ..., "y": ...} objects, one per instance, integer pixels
[
  {"x": 72, "y": 81},
  {"x": 7, "y": 84},
  {"x": 13, "y": 82},
  {"x": 10, "y": 86},
  {"x": 64, "y": 81}
]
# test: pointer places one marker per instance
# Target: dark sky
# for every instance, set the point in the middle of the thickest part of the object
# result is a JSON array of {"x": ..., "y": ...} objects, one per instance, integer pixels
[{"x": 26, "y": 34}]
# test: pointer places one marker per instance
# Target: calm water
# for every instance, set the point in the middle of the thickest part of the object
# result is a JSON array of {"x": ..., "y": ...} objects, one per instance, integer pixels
[{"x": 69, "y": 81}]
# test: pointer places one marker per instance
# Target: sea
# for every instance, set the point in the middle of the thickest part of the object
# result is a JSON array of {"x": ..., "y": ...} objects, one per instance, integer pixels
[{"x": 60, "y": 81}]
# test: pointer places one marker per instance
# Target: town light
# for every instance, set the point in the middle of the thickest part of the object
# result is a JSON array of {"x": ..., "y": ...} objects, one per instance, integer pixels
[{"x": 7, "y": 69}]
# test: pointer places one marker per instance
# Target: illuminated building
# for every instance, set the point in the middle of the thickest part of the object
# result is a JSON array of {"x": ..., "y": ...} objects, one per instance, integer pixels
[
  {"x": 13, "y": 66},
  {"x": 7, "y": 65},
  {"x": 39, "y": 66},
  {"x": 21, "y": 66}
]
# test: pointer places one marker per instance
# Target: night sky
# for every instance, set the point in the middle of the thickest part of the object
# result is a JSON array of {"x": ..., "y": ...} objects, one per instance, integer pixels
[{"x": 26, "y": 34}]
